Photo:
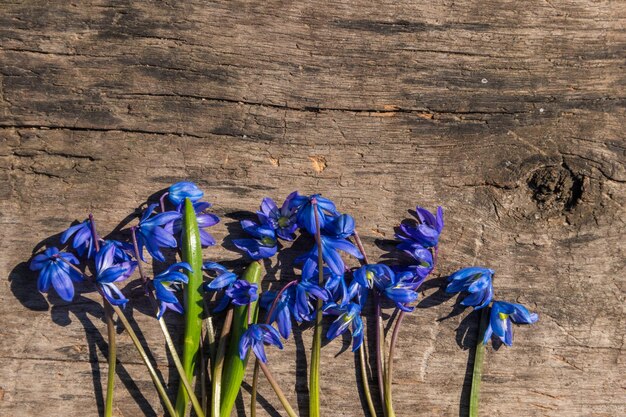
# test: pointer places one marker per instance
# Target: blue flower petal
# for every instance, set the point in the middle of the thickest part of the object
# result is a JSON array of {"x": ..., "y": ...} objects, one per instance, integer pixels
[
  {"x": 184, "y": 189},
  {"x": 222, "y": 280}
]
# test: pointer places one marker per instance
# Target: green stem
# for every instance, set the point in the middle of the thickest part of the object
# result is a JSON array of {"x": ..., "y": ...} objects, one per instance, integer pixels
[
  {"x": 234, "y": 367},
  {"x": 208, "y": 358},
  {"x": 108, "y": 314},
  {"x": 389, "y": 371},
  {"x": 314, "y": 376},
  {"x": 179, "y": 367},
  {"x": 380, "y": 356},
  {"x": 314, "y": 384},
  {"x": 134, "y": 338},
  {"x": 270, "y": 378},
  {"x": 210, "y": 331},
  {"x": 146, "y": 361},
  {"x": 366, "y": 386},
  {"x": 192, "y": 254},
  {"x": 255, "y": 380},
  {"x": 255, "y": 375},
  {"x": 364, "y": 379},
  {"x": 478, "y": 364},
  {"x": 277, "y": 390},
  {"x": 216, "y": 390},
  {"x": 166, "y": 334},
  {"x": 203, "y": 376}
]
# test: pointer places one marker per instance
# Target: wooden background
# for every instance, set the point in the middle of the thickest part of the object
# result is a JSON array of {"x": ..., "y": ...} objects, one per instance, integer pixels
[{"x": 510, "y": 114}]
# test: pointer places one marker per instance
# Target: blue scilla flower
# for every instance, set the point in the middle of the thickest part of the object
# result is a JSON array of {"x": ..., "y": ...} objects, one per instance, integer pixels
[
  {"x": 54, "y": 269},
  {"x": 175, "y": 227},
  {"x": 123, "y": 251},
  {"x": 108, "y": 273},
  {"x": 475, "y": 280},
  {"x": 305, "y": 216},
  {"x": 166, "y": 283},
  {"x": 242, "y": 292},
  {"x": 306, "y": 292},
  {"x": 427, "y": 232},
  {"x": 336, "y": 285},
  {"x": 282, "y": 219},
  {"x": 341, "y": 226},
  {"x": 239, "y": 292},
  {"x": 83, "y": 241},
  {"x": 410, "y": 276},
  {"x": 152, "y": 234},
  {"x": 349, "y": 316},
  {"x": 423, "y": 261},
  {"x": 501, "y": 317},
  {"x": 184, "y": 189},
  {"x": 223, "y": 277},
  {"x": 262, "y": 245},
  {"x": 358, "y": 293},
  {"x": 403, "y": 290},
  {"x": 330, "y": 253},
  {"x": 373, "y": 276},
  {"x": 398, "y": 287},
  {"x": 256, "y": 337},
  {"x": 283, "y": 310}
]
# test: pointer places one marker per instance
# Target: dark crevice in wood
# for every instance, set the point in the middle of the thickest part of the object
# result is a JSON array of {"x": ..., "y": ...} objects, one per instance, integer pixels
[
  {"x": 428, "y": 113},
  {"x": 98, "y": 129}
]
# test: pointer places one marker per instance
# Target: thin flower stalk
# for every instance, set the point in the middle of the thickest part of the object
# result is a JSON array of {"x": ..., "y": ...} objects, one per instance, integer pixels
[
  {"x": 111, "y": 335},
  {"x": 166, "y": 334},
  {"x": 111, "y": 359},
  {"x": 216, "y": 390},
  {"x": 207, "y": 358},
  {"x": 162, "y": 201},
  {"x": 314, "y": 384},
  {"x": 146, "y": 361},
  {"x": 388, "y": 374},
  {"x": 268, "y": 375},
  {"x": 368, "y": 394},
  {"x": 379, "y": 351},
  {"x": 277, "y": 390},
  {"x": 389, "y": 370},
  {"x": 255, "y": 375},
  {"x": 380, "y": 356},
  {"x": 203, "y": 374},
  {"x": 181, "y": 371},
  {"x": 153, "y": 375},
  {"x": 234, "y": 366},
  {"x": 479, "y": 356}
]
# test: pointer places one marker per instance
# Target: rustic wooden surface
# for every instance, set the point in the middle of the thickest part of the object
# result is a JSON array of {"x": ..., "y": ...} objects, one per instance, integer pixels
[{"x": 510, "y": 114}]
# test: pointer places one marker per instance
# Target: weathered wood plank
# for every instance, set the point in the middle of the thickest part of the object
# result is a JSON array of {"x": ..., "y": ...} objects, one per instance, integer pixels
[{"x": 379, "y": 107}]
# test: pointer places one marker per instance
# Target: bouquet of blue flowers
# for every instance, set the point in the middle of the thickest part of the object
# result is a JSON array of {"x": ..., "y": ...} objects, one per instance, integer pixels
[{"x": 336, "y": 284}]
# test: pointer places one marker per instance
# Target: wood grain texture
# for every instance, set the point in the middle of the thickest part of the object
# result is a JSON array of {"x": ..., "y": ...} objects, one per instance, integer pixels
[{"x": 509, "y": 114}]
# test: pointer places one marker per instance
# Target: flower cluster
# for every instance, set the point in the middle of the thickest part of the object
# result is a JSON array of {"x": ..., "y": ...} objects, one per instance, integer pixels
[
  {"x": 110, "y": 261},
  {"x": 319, "y": 221},
  {"x": 114, "y": 261},
  {"x": 239, "y": 292},
  {"x": 329, "y": 283},
  {"x": 343, "y": 291},
  {"x": 477, "y": 282}
]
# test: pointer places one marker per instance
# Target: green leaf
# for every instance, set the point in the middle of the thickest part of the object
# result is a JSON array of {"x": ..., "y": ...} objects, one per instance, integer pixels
[
  {"x": 234, "y": 367},
  {"x": 192, "y": 254}
]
